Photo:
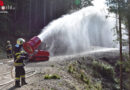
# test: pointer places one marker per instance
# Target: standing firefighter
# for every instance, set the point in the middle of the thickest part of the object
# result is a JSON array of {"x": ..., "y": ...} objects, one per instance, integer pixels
[
  {"x": 9, "y": 49},
  {"x": 19, "y": 57}
]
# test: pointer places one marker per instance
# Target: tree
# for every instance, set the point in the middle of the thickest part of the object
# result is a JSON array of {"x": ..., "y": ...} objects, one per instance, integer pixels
[
  {"x": 128, "y": 19},
  {"x": 85, "y": 3},
  {"x": 120, "y": 7}
]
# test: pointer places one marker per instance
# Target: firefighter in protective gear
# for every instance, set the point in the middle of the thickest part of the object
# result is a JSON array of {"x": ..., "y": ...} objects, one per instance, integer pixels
[
  {"x": 19, "y": 56},
  {"x": 9, "y": 50}
]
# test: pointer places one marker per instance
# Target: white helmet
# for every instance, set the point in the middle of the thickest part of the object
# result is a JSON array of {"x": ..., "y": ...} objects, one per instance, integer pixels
[
  {"x": 20, "y": 41},
  {"x": 8, "y": 42}
]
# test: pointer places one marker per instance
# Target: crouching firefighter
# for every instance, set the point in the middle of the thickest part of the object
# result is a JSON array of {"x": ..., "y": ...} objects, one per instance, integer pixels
[{"x": 19, "y": 56}]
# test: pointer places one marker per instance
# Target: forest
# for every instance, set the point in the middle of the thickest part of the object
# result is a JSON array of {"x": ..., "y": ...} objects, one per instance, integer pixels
[{"x": 30, "y": 17}]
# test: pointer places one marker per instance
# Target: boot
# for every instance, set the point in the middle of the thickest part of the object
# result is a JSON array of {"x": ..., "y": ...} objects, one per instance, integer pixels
[
  {"x": 8, "y": 57},
  {"x": 17, "y": 83},
  {"x": 23, "y": 82},
  {"x": 11, "y": 56}
]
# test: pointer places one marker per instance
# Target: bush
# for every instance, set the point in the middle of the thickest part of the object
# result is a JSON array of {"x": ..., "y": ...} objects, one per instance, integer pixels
[
  {"x": 84, "y": 78},
  {"x": 54, "y": 76},
  {"x": 126, "y": 63},
  {"x": 71, "y": 69},
  {"x": 105, "y": 70},
  {"x": 98, "y": 86},
  {"x": 52, "y": 65}
]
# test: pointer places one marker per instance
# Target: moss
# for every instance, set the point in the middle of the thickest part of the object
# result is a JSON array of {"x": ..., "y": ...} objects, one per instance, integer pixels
[{"x": 54, "y": 76}]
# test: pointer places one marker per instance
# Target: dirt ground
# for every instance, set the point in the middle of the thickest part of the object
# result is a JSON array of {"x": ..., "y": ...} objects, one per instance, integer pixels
[{"x": 56, "y": 65}]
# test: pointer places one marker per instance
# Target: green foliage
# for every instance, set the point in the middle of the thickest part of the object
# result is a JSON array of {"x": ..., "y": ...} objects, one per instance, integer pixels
[
  {"x": 89, "y": 84},
  {"x": 125, "y": 70},
  {"x": 121, "y": 8},
  {"x": 49, "y": 76},
  {"x": 105, "y": 70},
  {"x": 96, "y": 74},
  {"x": 98, "y": 86},
  {"x": 114, "y": 4},
  {"x": 84, "y": 78},
  {"x": 118, "y": 65},
  {"x": 117, "y": 87},
  {"x": 77, "y": 2},
  {"x": 127, "y": 63},
  {"x": 85, "y": 3},
  {"x": 71, "y": 69},
  {"x": 78, "y": 71},
  {"x": 52, "y": 89}
]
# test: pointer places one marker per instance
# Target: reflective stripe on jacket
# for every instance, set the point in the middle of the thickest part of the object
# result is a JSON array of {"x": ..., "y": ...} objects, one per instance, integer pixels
[{"x": 18, "y": 64}]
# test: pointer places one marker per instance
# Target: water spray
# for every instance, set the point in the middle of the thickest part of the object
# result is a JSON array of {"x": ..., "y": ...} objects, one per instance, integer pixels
[{"x": 79, "y": 32}]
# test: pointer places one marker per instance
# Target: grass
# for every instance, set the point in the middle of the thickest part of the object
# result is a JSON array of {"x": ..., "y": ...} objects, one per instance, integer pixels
[
  {"x": 104, "y": 69},
  {"x": 84, "y": 78},
  {"x": 80, "y": 74}
]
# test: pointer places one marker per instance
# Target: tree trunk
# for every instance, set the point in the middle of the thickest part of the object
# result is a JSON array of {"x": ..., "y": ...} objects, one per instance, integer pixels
[
  {"x": 129, "y": 35},
  {"x": 128, "y": 18},
  {"x": 129, "y": 24},
  {"x": 120, "y": 36}
]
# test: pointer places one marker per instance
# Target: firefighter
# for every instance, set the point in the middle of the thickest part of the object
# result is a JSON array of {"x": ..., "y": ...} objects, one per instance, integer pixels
[
  {"x": 9, "y": 49},
  {"x": 19, "y": 56}
]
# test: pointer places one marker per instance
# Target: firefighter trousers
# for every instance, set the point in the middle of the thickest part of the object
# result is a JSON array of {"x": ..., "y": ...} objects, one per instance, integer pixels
[
  {"x": 19, "y": 72},
  {"x": 9, "y": 54}
]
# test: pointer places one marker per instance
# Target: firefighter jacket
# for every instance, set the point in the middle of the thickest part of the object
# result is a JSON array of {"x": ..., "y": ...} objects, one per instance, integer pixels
[
  {"x": 8, "y": 47},
  {"x": 19, "y": 55}
]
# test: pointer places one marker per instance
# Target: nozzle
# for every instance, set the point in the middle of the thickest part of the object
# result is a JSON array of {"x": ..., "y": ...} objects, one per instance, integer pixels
[{"x": 32, "y": 44}]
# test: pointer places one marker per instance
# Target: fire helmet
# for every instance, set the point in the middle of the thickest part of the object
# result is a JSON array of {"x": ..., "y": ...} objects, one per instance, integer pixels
[{"x": 20, "y": 41}]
